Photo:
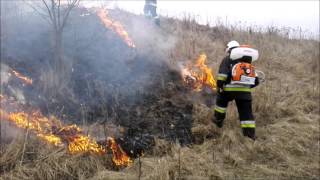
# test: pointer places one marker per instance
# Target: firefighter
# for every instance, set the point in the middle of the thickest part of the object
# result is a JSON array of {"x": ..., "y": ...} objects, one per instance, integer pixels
[
  {"x": 150, "y": 10},
  {"x": 241, "y": 93}
]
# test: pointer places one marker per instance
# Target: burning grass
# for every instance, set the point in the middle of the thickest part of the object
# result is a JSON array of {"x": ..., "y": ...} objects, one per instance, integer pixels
[
  {"x": 49, "y": 163},
  {"x": 198, "y": 76},
  {"x": 116, "y": 26},
  {"x": 54, "y": 132},
  {"x": 23, "y": 78}
]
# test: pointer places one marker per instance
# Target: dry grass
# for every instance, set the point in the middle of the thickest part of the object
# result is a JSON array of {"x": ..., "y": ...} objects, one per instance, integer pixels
[
  {"x": 42, "y": 161},
  {"x": 286, "y": 108}
]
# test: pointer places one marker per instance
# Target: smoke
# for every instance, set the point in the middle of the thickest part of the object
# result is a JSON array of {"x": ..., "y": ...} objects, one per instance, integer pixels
[
  {"x": 106, "y": 74},
  {"x": 151, "y": 39},
  {"x": 9, "y": 132},
  {"x": 9, "y": 84},
  {"x": 108, "y": 82},
  {"x": 4, "y": 74}
]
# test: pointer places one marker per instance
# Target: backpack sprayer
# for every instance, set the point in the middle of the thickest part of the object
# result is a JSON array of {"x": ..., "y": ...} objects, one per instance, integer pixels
[{"x": 243, "y": 72}]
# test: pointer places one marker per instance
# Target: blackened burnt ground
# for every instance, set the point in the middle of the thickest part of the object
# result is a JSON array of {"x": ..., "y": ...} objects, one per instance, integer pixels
[{"x": 109, "y": 82}]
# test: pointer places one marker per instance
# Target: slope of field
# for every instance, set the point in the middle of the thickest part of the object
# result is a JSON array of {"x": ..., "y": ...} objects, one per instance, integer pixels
[{"x": 286, "y": 108}]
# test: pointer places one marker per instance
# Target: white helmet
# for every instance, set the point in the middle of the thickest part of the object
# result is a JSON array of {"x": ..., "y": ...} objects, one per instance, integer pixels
[{"x": 232, "y": 44}]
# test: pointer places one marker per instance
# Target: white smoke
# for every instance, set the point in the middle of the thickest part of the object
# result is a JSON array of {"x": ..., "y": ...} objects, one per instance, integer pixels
[
  {"x": 7, "y": 88},
  {"x": 4, "y": 74}
]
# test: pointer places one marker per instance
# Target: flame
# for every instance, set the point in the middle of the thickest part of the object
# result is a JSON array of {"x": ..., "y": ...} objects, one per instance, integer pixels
[
  {"x": 85, "y": 144},
  {"x": 54, "y": 132},
  {"x": 199, "y": 75},
  {"x": 20, "y": 76},
  {"x": 115, "y": 26},
  {"x": 119, "y": 156},
  {"x": 50, "y": 138}
]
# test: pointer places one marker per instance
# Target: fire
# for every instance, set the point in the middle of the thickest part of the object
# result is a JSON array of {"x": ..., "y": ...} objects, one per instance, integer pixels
[
  {"x": 54, "y": 132},
  {"x": 83, "y": 143},
  {"x": 119, "y": 156},
  {"x": 20, "y": 76},
  {"x": 115, "y": 26},
  {"x": 50, "y": 138},
  {"x": 36, "y": 123},
  {"x": 199, "y": 75}
]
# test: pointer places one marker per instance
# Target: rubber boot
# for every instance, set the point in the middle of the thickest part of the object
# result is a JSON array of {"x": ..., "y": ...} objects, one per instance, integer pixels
[{"x": 249, "y": 132}]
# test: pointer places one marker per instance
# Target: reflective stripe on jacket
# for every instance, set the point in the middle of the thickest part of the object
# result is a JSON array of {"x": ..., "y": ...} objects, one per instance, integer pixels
[{"x": 238, "y": 88}]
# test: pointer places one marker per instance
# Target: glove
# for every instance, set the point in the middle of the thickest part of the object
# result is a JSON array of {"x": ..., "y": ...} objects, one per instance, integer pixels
[
  {"x": 257, "y": 81},
  {"x": 219, "y": 91},
  {"x": 220, "y": 86}
]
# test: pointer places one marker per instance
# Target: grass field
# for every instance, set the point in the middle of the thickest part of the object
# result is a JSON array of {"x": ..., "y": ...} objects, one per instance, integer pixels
[{"x": 286, "y": 109}]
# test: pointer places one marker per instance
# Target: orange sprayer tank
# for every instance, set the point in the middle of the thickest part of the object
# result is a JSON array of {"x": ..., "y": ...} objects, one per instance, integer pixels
[{"x": 243, "y": 73}]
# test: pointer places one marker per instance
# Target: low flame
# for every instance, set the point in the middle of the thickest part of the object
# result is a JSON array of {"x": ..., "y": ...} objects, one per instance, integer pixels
[
  {"x": 54, "y": 132},
  {"x": 20, "y": 76},
  {"x": 50, "y": 138},
  {"x": 115, "y": 26},
  {"x": 199, "y": 75}
]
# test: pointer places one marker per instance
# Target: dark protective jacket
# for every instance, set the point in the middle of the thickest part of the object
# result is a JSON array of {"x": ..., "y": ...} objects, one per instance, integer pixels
[
  {"x": 150, "y": 8},
  {"x": 224, "y": 81}
]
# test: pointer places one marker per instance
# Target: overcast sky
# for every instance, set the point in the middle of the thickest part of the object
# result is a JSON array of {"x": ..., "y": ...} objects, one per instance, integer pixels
[{"x": 294, "y": 14}]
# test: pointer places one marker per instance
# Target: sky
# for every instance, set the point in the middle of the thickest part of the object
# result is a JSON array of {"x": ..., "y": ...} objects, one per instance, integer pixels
[{"x": 281, "y": 13}]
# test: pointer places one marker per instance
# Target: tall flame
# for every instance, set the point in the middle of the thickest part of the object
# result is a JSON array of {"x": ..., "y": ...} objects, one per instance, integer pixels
[
  {"x": 199, "y": 75},
  {"x": 54, "y": 132},
  {"x": 115, "y": 26}
]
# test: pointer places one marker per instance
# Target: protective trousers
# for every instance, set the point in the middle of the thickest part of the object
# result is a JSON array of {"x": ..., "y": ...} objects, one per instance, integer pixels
[{"x": 244, "y": 106}]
